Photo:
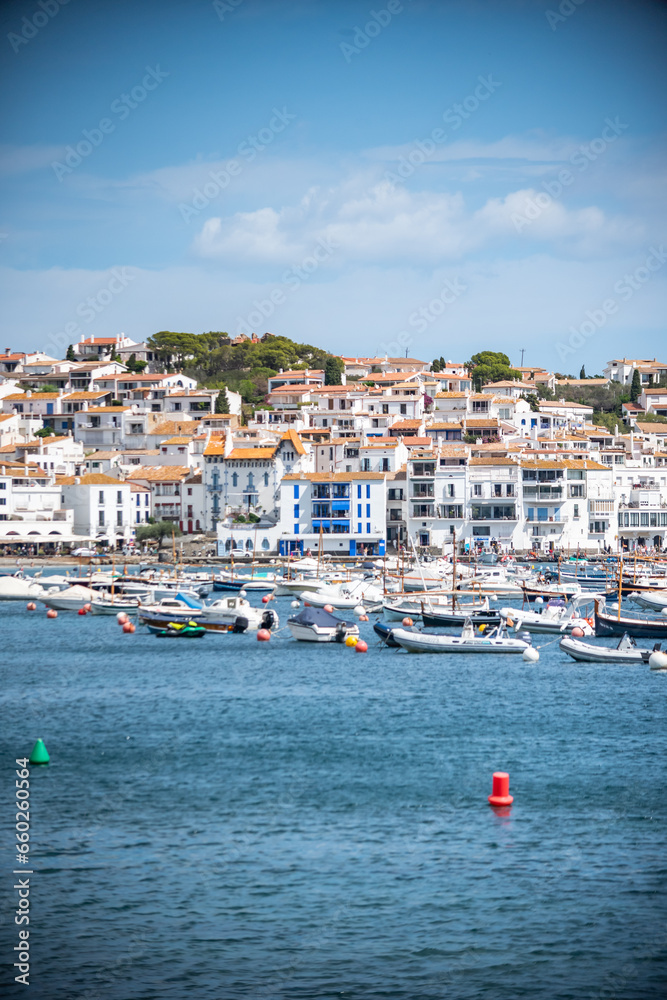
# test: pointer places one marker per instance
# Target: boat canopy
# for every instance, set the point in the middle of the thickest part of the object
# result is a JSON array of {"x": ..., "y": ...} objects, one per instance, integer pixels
[
  {"x": 318, "y": 616},
  {"x": 188, "y": 601}
]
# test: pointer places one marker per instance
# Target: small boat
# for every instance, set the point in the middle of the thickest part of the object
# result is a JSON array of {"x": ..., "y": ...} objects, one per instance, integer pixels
[
  {"x": 556, "y": 617},
  {"x": 627, "y": 651},
  {"x": 106, "y": 604},
  {"x": 318, "y": 625},
  {"x": 14, "y": 588},
  {"x": 70, "y": 599},
  {"x": 549, "y": 590},
  {"x": 494, "y": 641},
  {"x": 228, "y": 614},
  {"x": 638, "y": 628},
  {"x": 433, "y": 618},
  {"x": 178, "y": 630},
  {"x": 655, "y": 600}
]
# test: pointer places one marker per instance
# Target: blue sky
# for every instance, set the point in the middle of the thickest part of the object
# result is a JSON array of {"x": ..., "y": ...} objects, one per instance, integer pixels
[{"x": 434, "y": 177}]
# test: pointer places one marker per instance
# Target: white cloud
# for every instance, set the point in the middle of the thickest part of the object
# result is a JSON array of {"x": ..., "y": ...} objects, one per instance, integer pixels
[{"x": 23, "y": 159}]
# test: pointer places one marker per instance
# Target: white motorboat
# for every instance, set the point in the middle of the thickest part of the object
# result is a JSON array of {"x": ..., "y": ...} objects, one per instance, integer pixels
[
  {"x": 626, "y": 651},
  {"x": 111, "y": 604},
  {"x": 492, "y": 641},
  {"x": 15, "y": 588},
  {"x": 556, "y": 616},
  {"x": 346, "y": 596},
  {"x": 318, "y": 625},
  {"x": 71, "y": 599},
  {"x": 654, "y": 600},
  {"x": 228, "y": 614}
]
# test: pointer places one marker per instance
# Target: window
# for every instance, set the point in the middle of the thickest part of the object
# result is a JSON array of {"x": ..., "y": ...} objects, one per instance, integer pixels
[
  {"x": 266, "y": 480},
  {"x": 576, "y": 510},
  {"x": 385, "y": 407},
  {"x": 384, "y": 465},
  {"x": 365, "y": 465},
  {"x": 497, "y": 490},
  {"x": 450, "y": 489},
  {"x": 119, "y": 496},
  {"x": 119, "y": 518},
  {"x": 235, "y": 479},
  {"x": 509, "y": 490},
  {"x": 189, "y": 491},
  {"x": 477, "y": 490},
  {"x": 100, "y": 497},
  {"x": 368, "y": 491},
  {"x": 100, "y": 518}
]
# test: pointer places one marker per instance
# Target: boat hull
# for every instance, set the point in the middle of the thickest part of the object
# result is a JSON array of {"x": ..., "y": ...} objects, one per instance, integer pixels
[
  {"x": 421, "y": 642},
  {"x": 586, "y": 652}
]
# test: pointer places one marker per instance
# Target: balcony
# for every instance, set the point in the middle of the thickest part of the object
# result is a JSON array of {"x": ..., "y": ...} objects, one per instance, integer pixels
[
  {"x": 423, "y": 470},
  {"x": 542, "y": 492},
  {"x": 396, "y": 515},
  {"x": 423, "y": 510},
  {"x": 490, "y": 512},
  {"x": 423, "y": 492}
]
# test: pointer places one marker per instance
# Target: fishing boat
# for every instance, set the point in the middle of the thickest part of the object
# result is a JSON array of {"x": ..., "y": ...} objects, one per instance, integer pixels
[
  {"x": 549, "y": 590},
  {"x": 554, "y": 617},
  {"x": 318, "y": 625},
  {"x": 178, "y": 630},
  {"x": 108, "y": 604},
  {"x": 434, "y": 617},
  {"x": 638, "y": 628},
  {"x": 626, "y": 651},
  {"x": 495, "y": 640}
]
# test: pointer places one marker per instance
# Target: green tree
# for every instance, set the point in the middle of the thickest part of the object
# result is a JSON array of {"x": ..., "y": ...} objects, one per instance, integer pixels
[
  {"x": 222, "y": 402},
  {"x": 177, "y": 348},
  {"x": 157, "y": 531},
  {"x": 70, "y": 355},
  {"x": 435, "y": 365},
  {"x": 491, "y": 366},
  {"x": 248, "y": 391},
  {"x": 48, "y": 388},
  {"x": 636, "y": 387},
  {"x": 43, "y": 432},
  {"x": 135, "y": 366},
  {"x": 333, "y": 370},
  {"x": 582, "y": 373}
]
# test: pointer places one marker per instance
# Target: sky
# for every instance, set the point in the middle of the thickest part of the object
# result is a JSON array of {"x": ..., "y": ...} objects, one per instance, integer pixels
[{"x": 411, "y": 177}]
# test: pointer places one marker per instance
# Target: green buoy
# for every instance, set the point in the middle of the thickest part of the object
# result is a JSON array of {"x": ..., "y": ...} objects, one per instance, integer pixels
[{"x": 39, "y": 755}]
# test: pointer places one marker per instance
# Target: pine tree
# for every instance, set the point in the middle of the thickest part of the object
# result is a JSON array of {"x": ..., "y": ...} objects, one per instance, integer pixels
[
  {"x": 636, "y": 387},
  {"x": 582, "y": 373},
  {"x": 70, "y": 356},
  {"x": 333, "y": 370},
  {"x": 222, "y": 402}
]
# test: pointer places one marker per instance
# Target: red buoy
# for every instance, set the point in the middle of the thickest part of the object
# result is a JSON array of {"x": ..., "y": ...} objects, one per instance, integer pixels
[
  {"x": 407, "y": 622},
  {"x": 265, "y": 599},
  {"x": 127, "y": 627},
  {"x": 31, "y": 606},
  {"x": 263, "y": 635},
  {"x": 501, "y": 789},
  {"x": 361, "y": 647},
  {"x": 82, "y": 611},
  {"x": 51, "y": 613}
]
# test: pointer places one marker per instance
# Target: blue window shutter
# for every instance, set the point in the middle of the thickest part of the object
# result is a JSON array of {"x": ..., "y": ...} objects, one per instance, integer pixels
[
  {"x": 368, "y": 510},
  {"x": 359, "y": 492},
  {"x": 368, "y": 529},
  {"x": 368, "y": 491},
  {"x": 296, "y": 492},
  {"x": 359, "y": 511}
]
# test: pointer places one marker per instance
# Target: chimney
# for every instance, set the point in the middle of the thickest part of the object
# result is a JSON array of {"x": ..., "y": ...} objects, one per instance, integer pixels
[{"x": 77, "y": 480}]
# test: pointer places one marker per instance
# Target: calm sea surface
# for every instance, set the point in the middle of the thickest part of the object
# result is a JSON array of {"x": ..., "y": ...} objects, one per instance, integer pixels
[{"x": 225, "y": 818}]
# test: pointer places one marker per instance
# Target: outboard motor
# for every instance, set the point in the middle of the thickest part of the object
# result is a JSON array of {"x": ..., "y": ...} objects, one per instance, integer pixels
[
  {"x": 525, "y": 637},
  {"x": 340, "y": 632},
  {"x": 268, "y": 620},
  {"x": 240, "y": 624}
]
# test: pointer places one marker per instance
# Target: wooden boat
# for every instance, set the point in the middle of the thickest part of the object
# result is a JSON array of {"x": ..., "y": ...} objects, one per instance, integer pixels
[
  {"x": 626, "y": 651},
  {"x": 638, "y": 628},
  {"x": 495, "y": 641},
  {"x": 318, "y": 625}
]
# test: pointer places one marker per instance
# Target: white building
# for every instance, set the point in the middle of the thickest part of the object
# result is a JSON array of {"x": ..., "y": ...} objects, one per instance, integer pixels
[{"x": 102, "y": 506}]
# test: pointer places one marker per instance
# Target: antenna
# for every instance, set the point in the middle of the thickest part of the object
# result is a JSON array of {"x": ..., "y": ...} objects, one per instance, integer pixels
[{"x": 523, "y": 351}]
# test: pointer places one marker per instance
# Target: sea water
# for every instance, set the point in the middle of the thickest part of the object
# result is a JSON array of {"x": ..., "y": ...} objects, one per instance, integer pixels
[{"x": 223, "y": 818}]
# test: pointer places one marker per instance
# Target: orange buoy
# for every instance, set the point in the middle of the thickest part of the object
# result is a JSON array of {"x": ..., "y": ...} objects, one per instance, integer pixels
[
  {"x": 501, "y": 790},
  {"x": 265, "y": 599},
  {"x": 361, "y": 647},
  {"x": 31, "y": 606},
  {"x": 82, "y": 611},
  {"x": 407, "y": 622},
  {"x": 133, "y": 627},
  {"x": 121, "y": 618},
  {"x": 51, "y": 613},
  {"x": 127, "y": 627},
  {"x": 577, "y": 632},
  {"x": 87, "y": 607},
  {"x": 363, "y": 618},
  {"x": 329, "y": 608},
  {"x": 263, "y": 635}
]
